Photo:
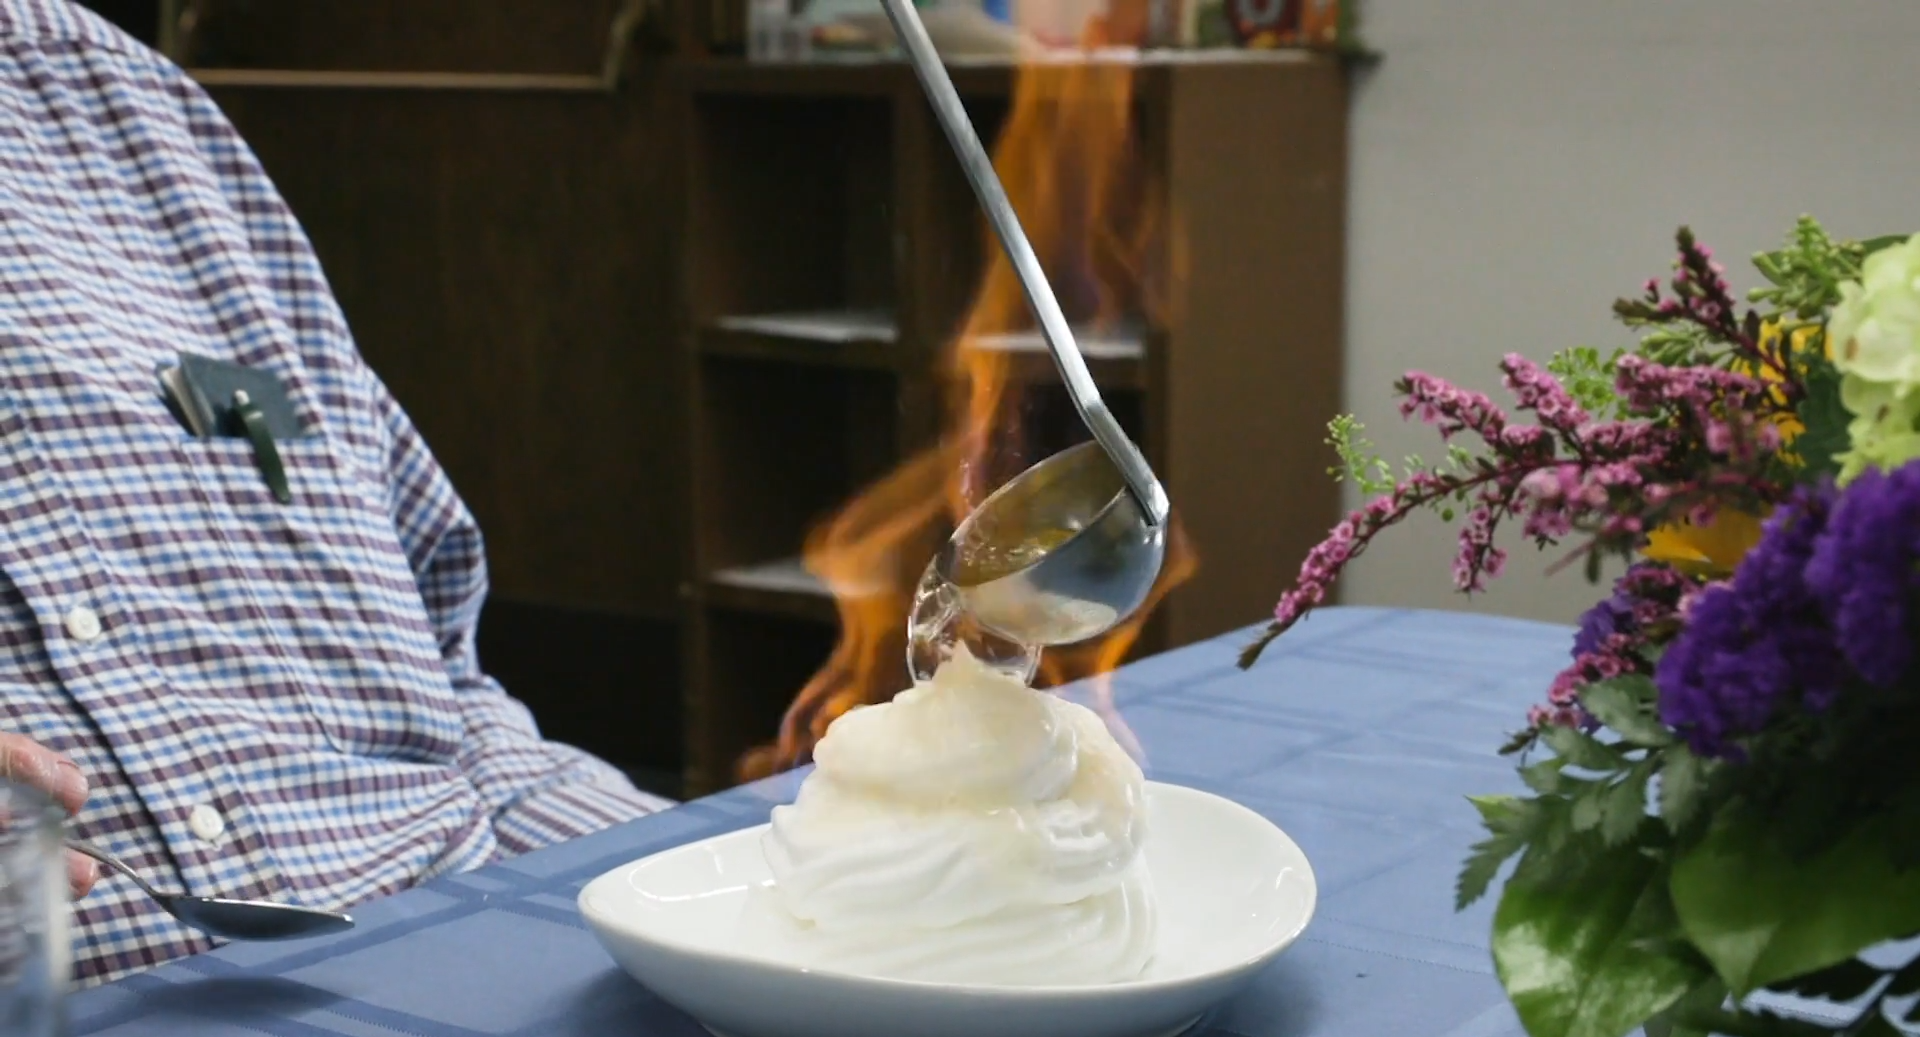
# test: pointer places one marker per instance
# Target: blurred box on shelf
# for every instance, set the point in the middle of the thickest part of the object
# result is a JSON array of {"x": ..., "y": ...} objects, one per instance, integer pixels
[
  {"x": 1012, "y": 30},
  {"x": 855, "y": 29},
  {"x": 1327, "y": 25}
]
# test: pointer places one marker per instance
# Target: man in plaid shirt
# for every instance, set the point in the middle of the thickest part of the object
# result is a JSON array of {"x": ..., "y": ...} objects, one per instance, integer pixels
[{"x": 243, "y": 697}]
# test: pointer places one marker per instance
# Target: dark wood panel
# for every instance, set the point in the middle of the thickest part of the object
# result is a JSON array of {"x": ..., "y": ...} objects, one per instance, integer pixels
[
  {"x": 787, "y": 206},
  {"x": 608, "y": 684},
  {"x": 504, "y": 261},
  {"x": 413, "y": 35},
  {"x": 138, "y": 18},
  {"x": 759, "y": 663},
  {"x": 1252, "y": 369}
]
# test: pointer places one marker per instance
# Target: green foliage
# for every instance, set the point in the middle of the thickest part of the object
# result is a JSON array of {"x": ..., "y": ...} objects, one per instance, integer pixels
[
  {"x": 1651, "y": 887},
  {"x": 1593, "y": 960},
  {"x": 1510, "y": 823},
  {"x": 1761, "y": 916},
  {"x": 1582, "y": 750},
  {"x": 1588, "y": 378},
  {"x": 1625, "y": 705},
  {"x": 1359, "y": 463},
  {"x": 1825, "y": 437},
  {"x": 1675, "y": 345},
  {"x": 1362, "y": 465},
  {"x": 1683, "y": 786},
  {"x": 1805, "y": 276}
]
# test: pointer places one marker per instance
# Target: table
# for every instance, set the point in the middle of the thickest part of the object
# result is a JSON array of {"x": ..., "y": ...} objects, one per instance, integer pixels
[{"x": 1359, "y": 733}]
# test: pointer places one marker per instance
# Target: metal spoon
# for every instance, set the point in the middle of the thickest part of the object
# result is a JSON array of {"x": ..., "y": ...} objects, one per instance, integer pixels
[
  {"x": 233, "y": 919},
  {"x": 1070, "y": 547}
]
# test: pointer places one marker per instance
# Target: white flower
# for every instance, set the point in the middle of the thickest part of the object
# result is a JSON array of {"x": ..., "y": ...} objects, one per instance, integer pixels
[
  {"x": 1875, "y": 328},
  {"x": 1873, "y": 334}
]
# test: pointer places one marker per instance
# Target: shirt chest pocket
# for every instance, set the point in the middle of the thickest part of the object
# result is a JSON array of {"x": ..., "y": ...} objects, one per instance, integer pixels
[{"x": 320, "y": 589}]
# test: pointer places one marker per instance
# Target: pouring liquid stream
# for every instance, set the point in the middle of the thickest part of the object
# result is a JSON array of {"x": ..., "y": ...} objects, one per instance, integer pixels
[{"x": 939, "y": 622}]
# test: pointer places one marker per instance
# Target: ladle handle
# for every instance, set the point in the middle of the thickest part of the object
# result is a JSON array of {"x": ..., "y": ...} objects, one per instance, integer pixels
[{"x": 951, "y": 113}]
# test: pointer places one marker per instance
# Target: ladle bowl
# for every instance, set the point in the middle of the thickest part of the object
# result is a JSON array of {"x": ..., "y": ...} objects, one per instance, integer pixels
[{"x": 1059, "y": 555}]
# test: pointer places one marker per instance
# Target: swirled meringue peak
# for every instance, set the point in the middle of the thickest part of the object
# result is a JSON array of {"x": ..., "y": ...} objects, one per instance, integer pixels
[{"x": 973, "y": 830}]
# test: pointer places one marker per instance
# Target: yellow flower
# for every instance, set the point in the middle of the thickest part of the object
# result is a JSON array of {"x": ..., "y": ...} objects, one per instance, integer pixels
[
  {"x": 1710, "y": 550},
  {"x": 1790, "y": 425}
]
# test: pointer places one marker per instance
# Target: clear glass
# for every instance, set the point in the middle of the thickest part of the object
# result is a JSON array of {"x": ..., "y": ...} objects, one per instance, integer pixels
[
  {"x": 34, "y": 949},
  {"x": 938, "y": 624},
  {"x": 778, "y": 31}
]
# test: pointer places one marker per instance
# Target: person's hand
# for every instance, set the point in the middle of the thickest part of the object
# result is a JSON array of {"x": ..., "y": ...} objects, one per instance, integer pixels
[{"x": 28, "y": 762}]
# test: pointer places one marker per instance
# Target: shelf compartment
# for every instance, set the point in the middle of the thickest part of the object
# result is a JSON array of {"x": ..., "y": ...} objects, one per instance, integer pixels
[
  {"x": 869, "y": 339},
  {"x": 762, "y": 662},
  {"x": 835, "y": 338},
  {"x": 782, "y": 587},
  {"x": 790, "y": 206},
  {"x": 780, "y": 448}
]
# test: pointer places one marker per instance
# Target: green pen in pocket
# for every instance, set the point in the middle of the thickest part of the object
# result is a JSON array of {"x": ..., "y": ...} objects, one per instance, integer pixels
[
  {"x": 253, "y": 405},
  {"x": 265, "y": 454}
]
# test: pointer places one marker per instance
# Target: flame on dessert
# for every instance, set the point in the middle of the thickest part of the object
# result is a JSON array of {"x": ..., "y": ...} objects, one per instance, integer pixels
[{"x": 1069, "y": 157}]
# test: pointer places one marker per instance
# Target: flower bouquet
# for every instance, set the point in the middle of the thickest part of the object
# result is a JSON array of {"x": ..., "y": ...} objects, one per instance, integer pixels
[{"x": 1723, "y": 823}]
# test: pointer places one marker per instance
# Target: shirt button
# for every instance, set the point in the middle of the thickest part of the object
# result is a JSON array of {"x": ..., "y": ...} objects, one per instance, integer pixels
[
  {"x": 206, "y": 822},
  {"x": 83, "y": 623}
]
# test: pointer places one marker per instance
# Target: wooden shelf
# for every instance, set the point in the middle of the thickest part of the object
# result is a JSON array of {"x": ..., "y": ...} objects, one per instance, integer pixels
[
  {"x": 1117, "y": 360},
  {"x": 865, "y": 339},
  {"x": 782, "y": 588},
  {"x": 831, "y": 250},
  {"x": 877, "y": 75},
  {"x": 870, "y": 340},
  {"x": 842, "y": 77}
]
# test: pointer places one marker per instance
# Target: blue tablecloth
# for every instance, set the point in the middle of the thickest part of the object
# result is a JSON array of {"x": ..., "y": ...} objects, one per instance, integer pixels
[{"x": 1359, "y": 733}]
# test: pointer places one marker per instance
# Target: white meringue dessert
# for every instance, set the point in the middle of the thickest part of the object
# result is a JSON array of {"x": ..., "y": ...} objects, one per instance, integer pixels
[{"x": 971, "y": 831}]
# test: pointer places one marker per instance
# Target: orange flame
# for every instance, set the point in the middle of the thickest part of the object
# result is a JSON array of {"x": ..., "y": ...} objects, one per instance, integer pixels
[{"x": 1068, "y": 156}]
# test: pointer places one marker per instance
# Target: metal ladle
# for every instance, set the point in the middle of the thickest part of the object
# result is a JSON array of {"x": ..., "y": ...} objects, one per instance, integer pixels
[
  {"x": 1069, "y": 548},
  {"x": 233, "y": 919}
]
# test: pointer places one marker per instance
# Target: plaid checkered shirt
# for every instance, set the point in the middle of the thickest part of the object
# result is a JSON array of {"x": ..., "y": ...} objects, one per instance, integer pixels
[{"x": 271, "y": 700}]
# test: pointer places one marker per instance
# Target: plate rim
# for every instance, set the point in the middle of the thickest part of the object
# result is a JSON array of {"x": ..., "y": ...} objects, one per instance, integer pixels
[{"x": 1124, "y": 987}]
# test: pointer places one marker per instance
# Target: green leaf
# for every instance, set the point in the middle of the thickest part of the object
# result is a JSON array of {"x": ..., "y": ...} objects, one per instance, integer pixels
[
  {"x": 1511, "y": 823},
  {"x": 1581, "y": 959},
  {"x": 1682, "y": 785},
  {"x": 1500, "y": 813},
  {"x": 1582, "y": 750},
  {"x": 1589, "y": 808},
  {"x": 1545, "y": 777},
  {"x": 1626, "y": 806},
  {"x": 1624, "y": 705},
  {"x": 1760, "y": 916},
  {"x": 1678, "y": 1019},
  {"x": 1872, "y": 245},
  {"x": 1483, "y": 864},
  {"x": 1826, "y": 418}
]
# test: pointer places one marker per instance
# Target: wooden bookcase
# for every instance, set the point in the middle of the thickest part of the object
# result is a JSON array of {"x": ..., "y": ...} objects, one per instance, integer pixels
[{"x": 828, "y": 249}]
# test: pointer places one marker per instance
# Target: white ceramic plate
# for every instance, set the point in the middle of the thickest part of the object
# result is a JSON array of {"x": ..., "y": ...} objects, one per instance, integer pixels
[{"x": 1233, "y": 892}]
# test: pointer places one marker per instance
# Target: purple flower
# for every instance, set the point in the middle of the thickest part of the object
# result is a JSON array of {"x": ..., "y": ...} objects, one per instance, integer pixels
[
  {"x": 1610, "y": 617},
  {"x": 1863, "y": 573},
  {"x": 1645, "y": 594},
  {"x": 1752, "y": 644}
]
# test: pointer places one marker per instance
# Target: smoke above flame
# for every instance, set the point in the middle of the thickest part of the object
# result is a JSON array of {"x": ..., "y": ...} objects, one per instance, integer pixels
[{"x": 1069, "y": 157}]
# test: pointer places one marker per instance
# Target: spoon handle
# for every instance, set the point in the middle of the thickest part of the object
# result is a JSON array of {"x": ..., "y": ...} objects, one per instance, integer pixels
[
  {"x": 115, "y": 863},
  {"x": 951, "y": 113}
]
